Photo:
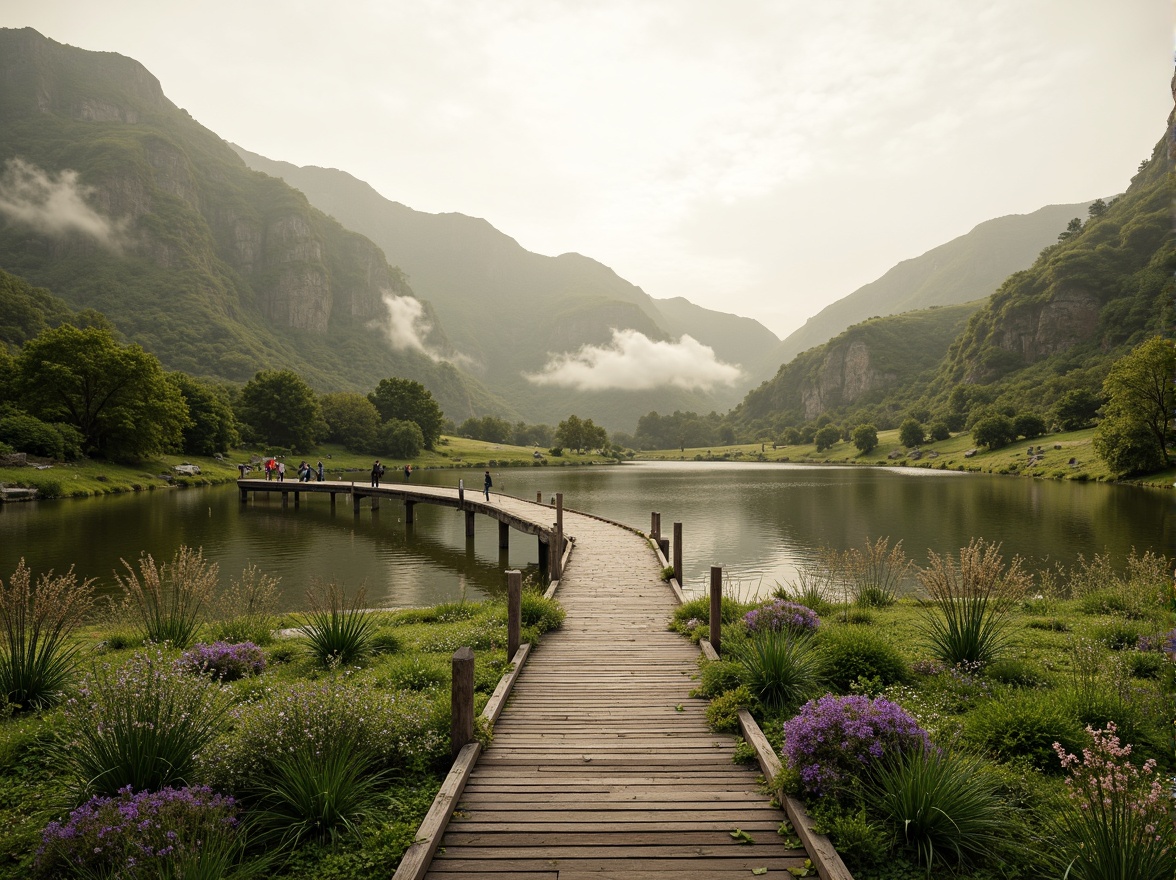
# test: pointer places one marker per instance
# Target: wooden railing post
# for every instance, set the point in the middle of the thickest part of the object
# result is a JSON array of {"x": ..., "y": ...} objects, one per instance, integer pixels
[
  {"x": 461, "y": 728},
  {"x": 538, "y": 497},
  {"x": 555, "y": 562},
  {"x": 716, "y": 608},
  {"x": 678, "y": 553},
  {"x": 655, "y": 526},
  {"x": 514, "y": 611}
]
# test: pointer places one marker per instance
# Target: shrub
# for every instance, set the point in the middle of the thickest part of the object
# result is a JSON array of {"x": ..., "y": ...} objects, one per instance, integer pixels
[
  {"x": 782, "y": 616},
  {"x": 831, "y": 741},
  {"x": 876, "y": 572},
  {"x": 812, "y": 588},
  {"x": 149, "y": 834},
  {"x": 541, "y": 613},
  {"x": 224, "y": 661},
  {"x": 169, "y": 600},
  {"x": 400, "y": 729},
  {"x": 722, "y": 714},
  {"x": 37, "y": 656},
  {"x": 385, "y": 642},
  {"x": 1118, "y": 634},
  {"x": 1023, "y": 727},
  {"x": 1017, "y": 673},
  {"x": 943, "y": 806},
  {"x": 700, "y": 609},
  {"x": 140, "y": 725},
  {"x": 780, "y": 671},
  {"x": 1117, "y": 823},
  {"x": 970, "y": 602},
  {"x": 852, "y": 652},
  {"x": 416, "y": 672},
  {"x": 338, "y": 633},
  {"x": 245, "y": 610},
  {"x": 26, "y": 433},
  {"x": 1135, "y": 594},
  {"x": 719, "y": 676}
]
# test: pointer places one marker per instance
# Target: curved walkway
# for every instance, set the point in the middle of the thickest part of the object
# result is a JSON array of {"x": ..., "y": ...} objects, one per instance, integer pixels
[{"x": 602, "y": 765}]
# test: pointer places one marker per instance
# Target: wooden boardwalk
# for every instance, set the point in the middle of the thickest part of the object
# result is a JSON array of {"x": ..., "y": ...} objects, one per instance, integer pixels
[{"x": 602, "y": 765}]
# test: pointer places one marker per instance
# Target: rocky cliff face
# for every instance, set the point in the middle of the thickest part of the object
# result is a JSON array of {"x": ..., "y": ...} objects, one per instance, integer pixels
[{"x": 845, "y": 374}]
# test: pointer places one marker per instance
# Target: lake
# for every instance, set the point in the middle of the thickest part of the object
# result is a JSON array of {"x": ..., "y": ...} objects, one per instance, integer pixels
[{"x": 759, "y": 521}]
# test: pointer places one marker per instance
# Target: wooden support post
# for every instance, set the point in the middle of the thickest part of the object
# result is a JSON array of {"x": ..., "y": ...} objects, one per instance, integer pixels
[
  {"x": 461, "y": 729},
  {"x": 296, "y": 494},
  {"x": 556, "y": 552},
  {"x": 514, "y": 611},
  {"x": 655, "y": 526},
  {"x": 469, "y": 523},
  {"x": 332, "y": 502},
  {"x": 678, "y": 553},
  {"x": 559, "y": 513},
  {"x": 244, "y": 495},
  {"x": 285, "y": 499},
  {"x": 716, "y": 608},
  {"x": 544, "y": 562},
  {"x": 375, "y": 503},
  {"x": 538, "y": 497},
  {"x": 503, "y": 536},
  {"x": 355, "y": 502},
  {"x": 408, "y": 506}
]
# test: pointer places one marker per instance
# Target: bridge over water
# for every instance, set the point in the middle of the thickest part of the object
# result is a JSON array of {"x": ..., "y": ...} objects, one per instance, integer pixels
[{"x": 602, "y": 765}]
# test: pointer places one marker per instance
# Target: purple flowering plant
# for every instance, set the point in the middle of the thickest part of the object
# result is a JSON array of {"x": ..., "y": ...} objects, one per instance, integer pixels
[
  {"x": 780, "y": 615},
  {"x": 144, "y": 834},
  {"x": 223, "y": 661},
  {"x": 834, "y": 739}
]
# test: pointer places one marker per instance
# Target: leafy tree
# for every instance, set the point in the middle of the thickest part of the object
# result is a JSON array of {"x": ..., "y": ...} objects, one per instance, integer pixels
[
  {"x": 1076, "y": 409},
  {"x": 910, "y": 432},
  {"x": 488, "y": 428},
  {"x": 352, "y": 420},
  {"x": 865, "y": 438},
  {"x": 117, "y": 396},
  {"x": 1072, "y": 229},
  {"x": 26, "y": 433},
  {"x": 994, "y": 431},
  {"x": 1029, "y": 425},
  {"x": 535, "y": 435},
  {"x": 789, "y": 437},
  {"x": 282, "y": 410},
  {"x": 580, "y": 434},
  {"x": 212, "y": 426},
  {"x": 939, "y": 430},
  {"x": 1133, "y": 436},
  {"x": 826, "y": 437},
  {"x": 401, "y": 439},
  {"x": 410, "y": 401},
  {"x": 1097, "y": 208}
]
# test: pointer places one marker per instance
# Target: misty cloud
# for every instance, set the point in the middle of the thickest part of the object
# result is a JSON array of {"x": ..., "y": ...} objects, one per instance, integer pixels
[
  {"x": 634, "y": 362},
  {"x": 407, "y": 328},
  {"x": 54, "y": 204}
]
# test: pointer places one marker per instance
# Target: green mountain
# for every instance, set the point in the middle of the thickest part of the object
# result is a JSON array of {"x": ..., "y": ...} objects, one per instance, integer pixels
[
  {"x": 509, "y": 310},
  {"x": 115, "y": 199},
  {"x": 963, "y": 270},
  {"x": 1091, "y": 295}
]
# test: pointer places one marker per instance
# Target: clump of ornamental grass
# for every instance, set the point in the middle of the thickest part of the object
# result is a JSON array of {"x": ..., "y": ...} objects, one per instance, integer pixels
[
  {"x": 338, "y": 632},
  {"x": 876, "y": 572},
  {"x": 780, "y": 670},
  {"x": 223, "y": 661},
  {"x": 781, "y": 615},
  {"x": 1136, "y": 593},
  {"x": 943, "y": 806},
  {"x": 832, "y": 741},
  {"x": 139, "y": 725},
  {"x": 969, "y": 603},
  {"x": 173, "y": 833},
  {"x": 169, "y": 601},
  {"x": 245, "y": 610},
  {"x": 1116, "y": 823},
  {"x": 38, "y": 658},
  {"x": 812, "y": 588}
]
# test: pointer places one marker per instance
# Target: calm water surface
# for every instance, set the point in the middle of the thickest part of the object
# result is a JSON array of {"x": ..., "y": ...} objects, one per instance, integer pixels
[{"x": 759, "y": 521}]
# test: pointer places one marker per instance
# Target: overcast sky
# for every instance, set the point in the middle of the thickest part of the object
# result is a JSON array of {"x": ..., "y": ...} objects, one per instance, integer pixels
[{"x": 761, "y": 158}]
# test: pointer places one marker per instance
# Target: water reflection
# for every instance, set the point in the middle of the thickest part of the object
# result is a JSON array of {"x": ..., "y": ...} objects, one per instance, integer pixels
[{"x": 758, "y": 521}]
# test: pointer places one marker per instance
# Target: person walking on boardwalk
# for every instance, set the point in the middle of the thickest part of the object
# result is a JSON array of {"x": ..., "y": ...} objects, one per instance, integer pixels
[
  {"x": 407, "y": 472},
  {"x": 377, "y": 470},
  {"x": 486, "y": 484},
  {"x": 281, "y": 471}
]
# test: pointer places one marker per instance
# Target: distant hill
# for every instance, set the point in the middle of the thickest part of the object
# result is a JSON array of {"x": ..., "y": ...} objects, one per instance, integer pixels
[
  {"x": 965, "y": 269},
  {"x": 114, "y": 199},
  {"x": 509, "y": 309}
]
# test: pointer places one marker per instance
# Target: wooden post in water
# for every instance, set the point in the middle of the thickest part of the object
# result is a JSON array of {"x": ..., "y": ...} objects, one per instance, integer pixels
[
  {"x": 538, "y": 497},
  {"x": 678, "y": 553},
  {"x": 503, "y": 536},
  {"x": 655, "y": 526},
  {"x": 469, "y": 514},
  {"x": 285, "y": 499},
  {"x": 461, "y": 729},
  {"x": 408, "y": 511},
  {"x": 514, "y": 611},
  {"x": 716, "y": 608}
]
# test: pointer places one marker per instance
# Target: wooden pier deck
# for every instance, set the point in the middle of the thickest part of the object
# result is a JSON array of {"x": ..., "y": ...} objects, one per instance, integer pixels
[{"x": 602, "y": 765}]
